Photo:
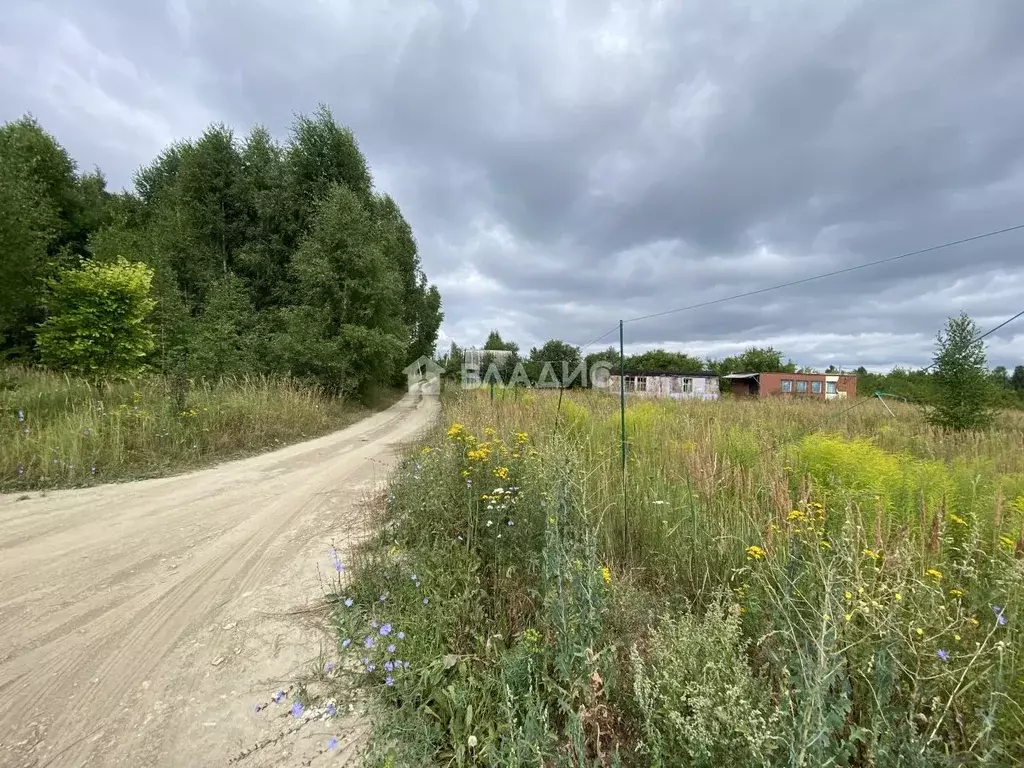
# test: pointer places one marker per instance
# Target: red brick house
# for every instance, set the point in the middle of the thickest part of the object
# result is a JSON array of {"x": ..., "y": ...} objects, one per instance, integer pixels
[{"x": 822, "y": 386}]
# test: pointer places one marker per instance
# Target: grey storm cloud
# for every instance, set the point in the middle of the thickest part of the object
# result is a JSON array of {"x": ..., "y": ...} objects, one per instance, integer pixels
[{"x": 566, "y": 164}]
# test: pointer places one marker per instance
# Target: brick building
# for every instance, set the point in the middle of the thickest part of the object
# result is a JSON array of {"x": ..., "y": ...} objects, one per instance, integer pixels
[{"x": 822, "y": 386}]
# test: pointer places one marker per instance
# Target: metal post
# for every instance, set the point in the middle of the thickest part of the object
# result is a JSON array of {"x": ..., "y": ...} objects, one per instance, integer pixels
[{"x": 622, "y": 396}]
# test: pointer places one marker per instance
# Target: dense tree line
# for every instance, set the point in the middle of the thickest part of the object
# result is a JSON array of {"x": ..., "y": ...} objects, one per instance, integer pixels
[{"x": 265, "y": 257}]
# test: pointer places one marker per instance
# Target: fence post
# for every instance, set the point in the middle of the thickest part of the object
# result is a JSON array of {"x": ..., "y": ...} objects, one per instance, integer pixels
[{"x": 622, "y": 420}]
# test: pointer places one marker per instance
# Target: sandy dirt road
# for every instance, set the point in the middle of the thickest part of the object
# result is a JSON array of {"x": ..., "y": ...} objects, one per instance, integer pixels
[{"x": 140, "y": 624}]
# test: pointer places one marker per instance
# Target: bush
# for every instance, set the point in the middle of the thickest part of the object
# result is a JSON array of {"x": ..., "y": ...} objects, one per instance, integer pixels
[{"x": 700, "y": 701}]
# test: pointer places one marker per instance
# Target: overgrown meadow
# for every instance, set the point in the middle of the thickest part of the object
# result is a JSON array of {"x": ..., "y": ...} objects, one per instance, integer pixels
[
  {"x": 767, "y": 583},
  {"x": 58, "y": 431}
]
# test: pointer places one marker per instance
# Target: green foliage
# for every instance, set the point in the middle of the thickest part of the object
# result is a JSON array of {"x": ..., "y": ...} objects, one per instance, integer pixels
[
  {"x": 97, "y": 324},
  {"x": 963, "y": 392},
  {"x": 554, "y": 364},
  {"x": 494, "y": 341},
  {"x": 662, "y": 360},
  {"x": 701, "y": 703},
  {"x": 266, "y": 258}
]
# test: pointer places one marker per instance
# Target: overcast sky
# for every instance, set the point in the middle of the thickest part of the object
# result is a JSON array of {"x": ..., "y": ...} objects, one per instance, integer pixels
[{"x": 565, "y": 164}]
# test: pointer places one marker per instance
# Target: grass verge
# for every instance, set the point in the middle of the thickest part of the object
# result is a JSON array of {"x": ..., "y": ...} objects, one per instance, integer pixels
[
  {"x": 751, "y": 591},
  {"x": 60, "y": 432}
]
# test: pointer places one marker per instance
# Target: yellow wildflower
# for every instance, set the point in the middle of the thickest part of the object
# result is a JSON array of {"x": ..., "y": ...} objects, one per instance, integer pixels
[
  {"x": 920, "y": 632},
  {"x": 898, "y": 596},
  {"x": 754, "y": 552},
  {"x": 956, "y": 592},
  {"x": 974, "y": 621},
  {"x": 522, "y": 437},
  {"x": 848, "y": 616},
  {"x": 426, "y": 450},
  {"x": 937, "y": 575},
  {"x": 606, "y": 574},
  {"x": 958, "y": 520},
  {"x": 796, "y": 514},
  {"x": 870, "y": 553},
  {"x": 957, "y": 638},
  {"x": 825, "y": 617},
  {"x": 455, "y": 431},
  {"x": 825, "y": 545},
  {"x": 489, "y": 431},
  {"x": 501, "y": 473},
  {"x": 1007, "y": 542},
  {"x": 848, "y": 595}
]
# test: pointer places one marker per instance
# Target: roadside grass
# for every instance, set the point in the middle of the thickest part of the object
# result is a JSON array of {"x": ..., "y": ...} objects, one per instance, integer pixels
[
  {"x": 62, "y": 432},
  {"x": 792, "y": 584}
]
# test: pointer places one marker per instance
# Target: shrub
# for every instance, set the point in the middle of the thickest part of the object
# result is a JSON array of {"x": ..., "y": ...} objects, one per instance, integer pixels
[{"x": 700, "y": 701}]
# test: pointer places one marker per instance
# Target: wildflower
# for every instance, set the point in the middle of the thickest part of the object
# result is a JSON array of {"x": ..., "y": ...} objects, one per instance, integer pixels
[
  {"x": 405, "y": 665},
  {"x": 942, "y": 654},
  {"x": 368, "y": 642},
  {"x": 847, "y": 617},
  {"x": 259, "y": 707},
  {"x": 371, "y": 667},
  {"x": 848, "y": 595},
  {"x": 426, "y": 601},
  {"x": 426, "y": 450},
  {"x": 501, "y": 472},
  {"x": 331, "y": 710},
  {"x": 973, "y": 621},
  {"x": 937, "y": 575},
  {"x": 374, "y": 623},
  {"x": 278, "y": 696},
  {"x": 956, "y": 593},
  {"x": 93, "y": 470},
  {"x": 1007, "y": 542},
  {"x": 754, "y": 552},
  {"x": 389, "y": 681},
  {"x": 1000, "y": 618},
  {"x": 297, "y": 709},
  {"x": 455, "y": 431},
  {"x": 21, "y": 416},
  {"x": 870, "y": 553},
  {"x": 825, "y": 545},
  {"x": 897, "y": 597},
  {"x": 385, "y": 630},
  {"x": 391, "y": 648},
  {"x": 825, "y": 617},
  {"x": 389, "y": 666},
  {"x": 332, "y": 743},
  {"x": 336, "y": 561},
  {"x": 920, "y": 632},
  {"x": 957, "y": 638},
  {"x": 469, "y": 483},
  {"x": 328, "y": 667},
  {"x": 346, "y": 643},
  {"x": 796, "y": 514},
  {"x": 510, "y": 523},
  {"x": 400, "y": 635},
  {"x": 383, "y": 597},
  {"x": 522, "y": 437},
  {"x": 606, "y": 574},
  {"x": 348, "y": 602},
  {"x": 21, "y": 470},
  {"x": 471, "y": 742},
  {"x": 958, "y": 520}
]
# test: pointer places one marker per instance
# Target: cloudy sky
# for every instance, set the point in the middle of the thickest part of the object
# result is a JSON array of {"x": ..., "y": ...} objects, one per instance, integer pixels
[{"x": 570, "y": 162}]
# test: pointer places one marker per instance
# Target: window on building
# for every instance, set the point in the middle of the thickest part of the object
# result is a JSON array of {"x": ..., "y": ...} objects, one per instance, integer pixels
[
  {"x": 687, "y": 385},
  {"x": 830, "y": 387},
  {"x": 787, "y": 385},
  {"x": 816, "y": 387},
  {"x": 636, "y": 383},
  {"x": 677, "y": 385},
  {"x": 801, "y": 387}
]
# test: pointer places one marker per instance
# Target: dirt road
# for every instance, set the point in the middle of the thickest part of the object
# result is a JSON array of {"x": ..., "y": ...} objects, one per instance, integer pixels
[{"x": 141, "y": 624}]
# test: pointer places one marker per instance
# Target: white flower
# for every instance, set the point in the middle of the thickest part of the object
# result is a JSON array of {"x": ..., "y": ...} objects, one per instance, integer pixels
[
  {"x": 490, "y": 523},
  {"x": 471, "y": 741}
]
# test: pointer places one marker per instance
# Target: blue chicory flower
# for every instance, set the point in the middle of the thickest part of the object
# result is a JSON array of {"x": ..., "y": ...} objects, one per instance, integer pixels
[
  {"x": 328, "y": 667},
  {"x": 426, "y": 601},
  {"x": 368, "y": 642},
  {"x": 346, "y": 643},
  {"x": 385, "y": 630},
  {"x": 942, "y": 654},
  {"x": 278, "y": 696},
  {"x": 384, "y": 597},
  {"x": 332, "y": 743},
  {"x": 400, "y": 635},
  {"x": 389, "y": 666},
  {"x": 1000, "y": 616},
  {"x": 348, "y": 602},
  {"x": 389, "y": 681},
  {"x": 336, "y": 561},
  {"x": 391, "y": 648},
  {"x": 297, "y": 709},
  {"x": 374, "y": 623}
]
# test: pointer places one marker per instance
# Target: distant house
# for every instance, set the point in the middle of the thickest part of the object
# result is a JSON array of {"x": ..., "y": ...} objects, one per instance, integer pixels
[
  {"x": 823, "y": 386},
  {"x": 702, "y": 385}
]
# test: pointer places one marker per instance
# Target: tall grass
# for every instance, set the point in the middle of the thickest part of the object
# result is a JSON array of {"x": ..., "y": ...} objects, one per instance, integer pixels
[
  {"x": 862, "y": 569},
  {"x": 57, "y": 431}
]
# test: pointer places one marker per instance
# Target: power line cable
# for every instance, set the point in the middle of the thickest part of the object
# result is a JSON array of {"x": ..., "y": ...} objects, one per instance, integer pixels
[{"x": 828, "y": 274}]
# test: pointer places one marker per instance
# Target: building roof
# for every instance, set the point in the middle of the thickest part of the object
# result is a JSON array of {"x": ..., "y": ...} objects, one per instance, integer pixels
[
  {"x": 685, "y": 374},
  {"x": 741, "y": 375},
  {"x": 785, "y": 373}
]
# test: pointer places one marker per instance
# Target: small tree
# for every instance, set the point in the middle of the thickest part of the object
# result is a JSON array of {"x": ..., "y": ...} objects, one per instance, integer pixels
[
  {"x": 963, "y": 389},
  {"x": 97, "y": 324}
]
